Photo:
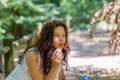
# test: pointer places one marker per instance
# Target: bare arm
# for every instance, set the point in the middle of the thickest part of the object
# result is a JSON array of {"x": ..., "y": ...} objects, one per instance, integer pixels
[
  {"x": 34, "y": 66},
  {"x": 53, "y": 71},
  {"x": 36, "y": 72},
  {"x": 56, "y": 61},
  {"x": 62, "y": 76}
]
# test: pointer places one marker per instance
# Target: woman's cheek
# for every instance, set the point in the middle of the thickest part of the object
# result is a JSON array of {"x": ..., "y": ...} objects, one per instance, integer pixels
[{"x": 55, "y": 40}]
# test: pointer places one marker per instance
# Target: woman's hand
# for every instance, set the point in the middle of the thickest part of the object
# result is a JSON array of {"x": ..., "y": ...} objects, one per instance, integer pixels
[
  {"x": 57, "y": 56},
  {"x": 56, "y": 61}
]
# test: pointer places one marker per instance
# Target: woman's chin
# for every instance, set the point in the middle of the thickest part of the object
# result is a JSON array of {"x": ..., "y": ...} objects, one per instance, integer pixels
[{"x": 61, "y": 48}]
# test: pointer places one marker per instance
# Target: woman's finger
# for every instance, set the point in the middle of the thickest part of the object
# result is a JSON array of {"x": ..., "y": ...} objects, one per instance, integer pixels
[{"x": 57, "y": 55}]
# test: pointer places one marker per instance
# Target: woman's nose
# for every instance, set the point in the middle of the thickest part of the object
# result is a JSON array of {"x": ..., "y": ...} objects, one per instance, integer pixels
[{"x": 61, "y": 38}]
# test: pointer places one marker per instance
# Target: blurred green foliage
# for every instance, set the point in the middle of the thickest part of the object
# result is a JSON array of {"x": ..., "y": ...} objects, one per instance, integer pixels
[
  {"x": 19, "y": 17},
  {"x": 23, "y": 15},
  {"x": 81, "y": 11}
]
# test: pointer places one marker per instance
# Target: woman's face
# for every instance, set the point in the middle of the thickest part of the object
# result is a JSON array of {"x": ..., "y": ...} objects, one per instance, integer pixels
[{"x": 59, "y": 37}]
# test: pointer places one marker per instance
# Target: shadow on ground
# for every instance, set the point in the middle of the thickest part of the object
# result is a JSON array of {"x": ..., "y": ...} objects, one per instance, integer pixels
[
  {"x": 84, "y": 49},
  {"x": 82, "y": 46}
]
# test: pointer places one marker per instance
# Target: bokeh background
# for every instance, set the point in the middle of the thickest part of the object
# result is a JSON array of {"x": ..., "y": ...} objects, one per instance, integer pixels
[{"x": 93, "y": 28}]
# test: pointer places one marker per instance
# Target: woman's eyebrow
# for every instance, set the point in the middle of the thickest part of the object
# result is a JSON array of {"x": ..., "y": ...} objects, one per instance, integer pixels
[{"x": 59, "y": 33}]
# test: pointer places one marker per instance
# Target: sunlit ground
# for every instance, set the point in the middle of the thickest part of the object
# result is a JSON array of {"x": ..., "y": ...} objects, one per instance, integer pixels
[{"x": 92, "y": 57}]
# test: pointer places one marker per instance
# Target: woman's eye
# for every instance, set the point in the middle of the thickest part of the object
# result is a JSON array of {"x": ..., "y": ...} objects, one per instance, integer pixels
[
  {"x": 59, "y": 35},
  {"x": 63, "y": 35},
  {"x": 56, "y": 35}
]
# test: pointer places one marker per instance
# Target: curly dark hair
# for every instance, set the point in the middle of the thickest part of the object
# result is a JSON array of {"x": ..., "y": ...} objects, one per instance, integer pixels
[{"x": 44, "y": 44}]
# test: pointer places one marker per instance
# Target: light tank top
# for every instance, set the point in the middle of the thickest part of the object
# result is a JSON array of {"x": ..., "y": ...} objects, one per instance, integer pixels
[{"x": 21, "y": 71}]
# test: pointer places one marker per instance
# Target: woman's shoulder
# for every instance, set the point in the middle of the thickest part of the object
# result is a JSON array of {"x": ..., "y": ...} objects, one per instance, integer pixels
[
  {"x": 33, "y": 61},
  {"x": 32, "y": 56},
  {"x": 32, "y": 49},
  {"x": 31, "y": 52}
]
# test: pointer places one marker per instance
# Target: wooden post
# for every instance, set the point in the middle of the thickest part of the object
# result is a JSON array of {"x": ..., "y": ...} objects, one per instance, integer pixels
[
  {"x": 29, "y": 41},
  {"x": 68, "y": 18},
  {"x": 1, "y": 62},
  {"x": 8, "y": 57}
]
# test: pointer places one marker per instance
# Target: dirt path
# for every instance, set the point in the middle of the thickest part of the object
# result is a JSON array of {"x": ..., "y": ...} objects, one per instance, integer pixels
[
  {"x": 83, "y": 46},
  {"x": 92, "y": 56}
]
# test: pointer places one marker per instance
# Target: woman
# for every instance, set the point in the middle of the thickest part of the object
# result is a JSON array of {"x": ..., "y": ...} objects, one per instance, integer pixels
[{"x": 45, "y": 59}]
